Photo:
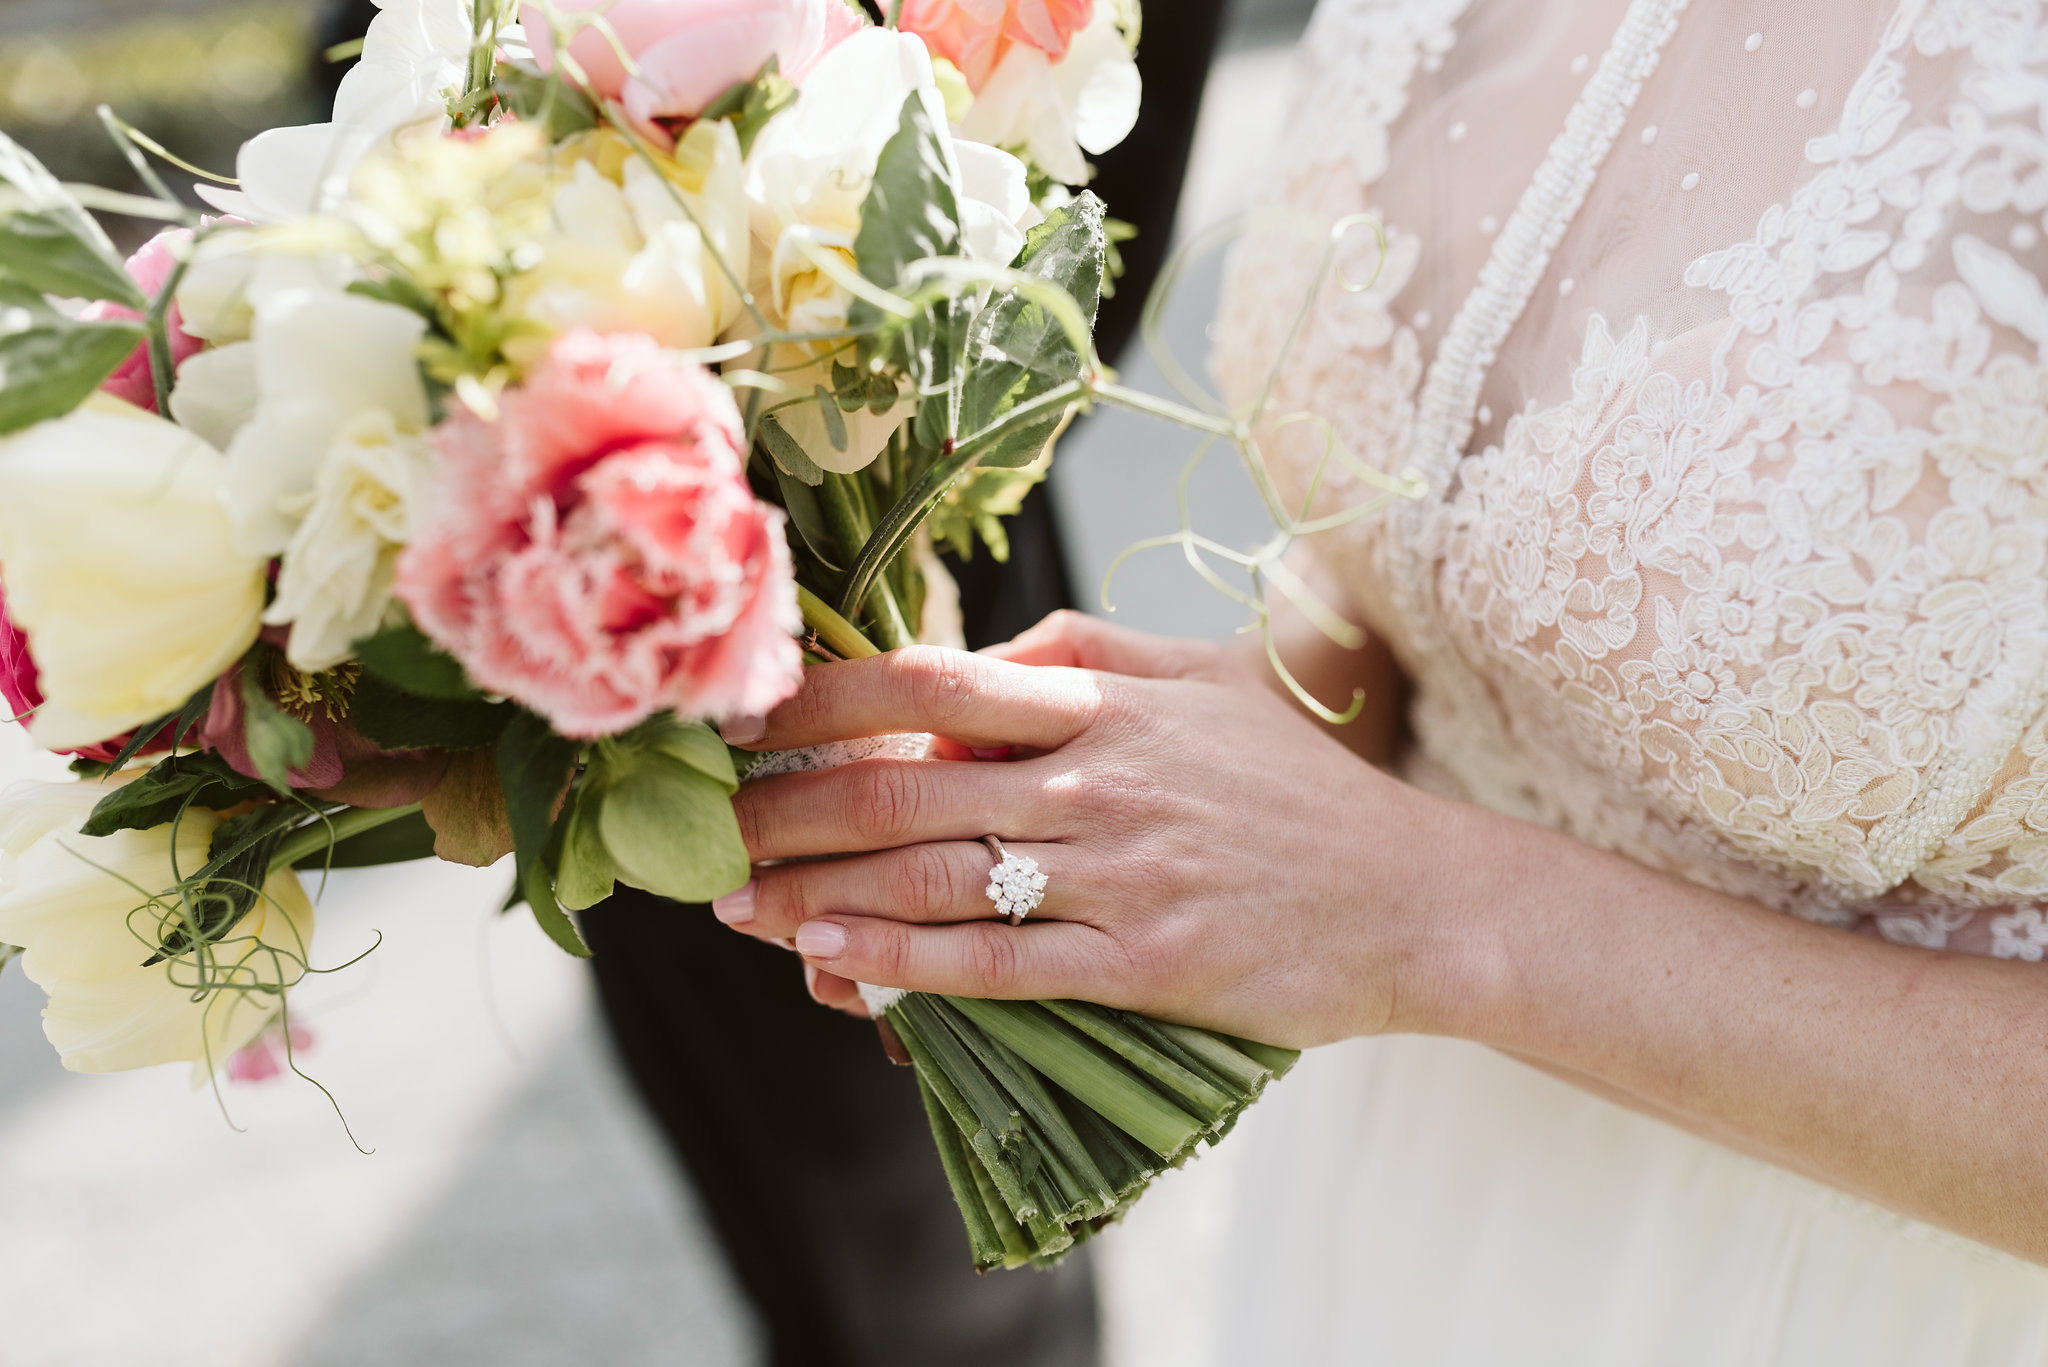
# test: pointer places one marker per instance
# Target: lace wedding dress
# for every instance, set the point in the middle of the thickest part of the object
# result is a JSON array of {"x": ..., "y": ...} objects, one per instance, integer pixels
[{"x": 1715, "y": 332}]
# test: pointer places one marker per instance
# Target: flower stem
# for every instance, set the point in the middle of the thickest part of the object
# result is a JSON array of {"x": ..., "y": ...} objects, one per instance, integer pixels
[
  {"x": 325, "y": 835},
  {"x": 841, "y": 636}
]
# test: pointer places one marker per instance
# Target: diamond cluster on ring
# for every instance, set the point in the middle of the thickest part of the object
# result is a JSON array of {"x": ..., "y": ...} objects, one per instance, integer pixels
[{"x": 1016, "y": 886}]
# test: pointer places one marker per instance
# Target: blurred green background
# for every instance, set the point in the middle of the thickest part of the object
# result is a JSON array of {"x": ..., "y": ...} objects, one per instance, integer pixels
[{"x": 198, "y": 76}]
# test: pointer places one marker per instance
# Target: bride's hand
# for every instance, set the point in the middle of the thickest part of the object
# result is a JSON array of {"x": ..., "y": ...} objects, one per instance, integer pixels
[{"x": 1213, "y": 857}]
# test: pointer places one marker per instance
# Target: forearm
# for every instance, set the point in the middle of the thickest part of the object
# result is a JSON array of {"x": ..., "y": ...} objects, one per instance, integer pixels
[{"x": 1915, "y": 1079}]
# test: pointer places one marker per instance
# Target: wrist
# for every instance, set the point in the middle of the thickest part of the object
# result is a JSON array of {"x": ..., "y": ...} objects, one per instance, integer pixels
[{"x": 1462, "y": 889}]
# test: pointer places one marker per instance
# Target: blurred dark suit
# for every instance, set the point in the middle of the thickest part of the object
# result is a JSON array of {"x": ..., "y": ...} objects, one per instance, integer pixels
[{"x": 810, "y": 1151}]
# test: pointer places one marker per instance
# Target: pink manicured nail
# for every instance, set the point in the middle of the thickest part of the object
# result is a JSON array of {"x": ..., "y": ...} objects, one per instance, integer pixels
[
  {"x": 999, "y": 752},
  {"x": 743, "y": 730},
  {"x": 820, "y": 940},
  {"x": 735, "y": 907}
]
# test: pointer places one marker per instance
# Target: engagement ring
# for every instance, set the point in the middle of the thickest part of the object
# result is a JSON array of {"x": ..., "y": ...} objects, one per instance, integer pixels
[{"x": 1015, "y": 885}]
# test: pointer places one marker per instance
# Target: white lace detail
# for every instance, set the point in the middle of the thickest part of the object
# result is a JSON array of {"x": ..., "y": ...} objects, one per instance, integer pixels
[{"x": 1755, "y": 590}]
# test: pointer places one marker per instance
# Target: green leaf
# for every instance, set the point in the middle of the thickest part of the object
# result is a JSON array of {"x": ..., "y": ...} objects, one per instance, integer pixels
[
  {"x": 835, "y": 422},
  {"x": 392, "y": 718},
  {"x": 397, "y": 842},
  {"x": 587, "y": 875},
  {"x": 221, "y": 893},
  {"x": 671, "y": 830},
  {"x": 693, "y": 742},
  {"x": 182, "y": 781},
  {"x": 912, "y": 214},
  {"x": 751, "y": 104},
  {"x": 39, "y": 251},
  {"x": 531, "y": 95},
  {"x": 402, "y": 655},
  {"x": 800, "y": 501},
  {"x": 1017, "y": 349},
  {"x": 534, "y": 767},
  {"x": 789, "y": 455},
  {"x": 277, "y": 743},
  {"x": 49, "y": 364},
  {"x": 44, "y": 196}
]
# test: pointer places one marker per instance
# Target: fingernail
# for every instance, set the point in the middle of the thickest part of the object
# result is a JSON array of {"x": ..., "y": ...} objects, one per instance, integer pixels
[
  {"x": 735, "y": 907},
  {"x": 820, "y": 940},
  {"x": 743, "y": 730},
  {"x": 999, "y": 752}
]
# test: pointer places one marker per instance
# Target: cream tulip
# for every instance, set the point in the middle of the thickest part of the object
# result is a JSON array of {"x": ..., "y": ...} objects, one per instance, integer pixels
[
  {"x": 117, "y": 562},
  {"x": 71, "y": 902}
]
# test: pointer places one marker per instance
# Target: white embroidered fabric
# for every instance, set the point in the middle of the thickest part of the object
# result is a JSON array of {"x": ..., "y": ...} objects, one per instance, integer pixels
[
  {"x": 1715, "y": 333},
  {"x": 1721, "y": 355}
]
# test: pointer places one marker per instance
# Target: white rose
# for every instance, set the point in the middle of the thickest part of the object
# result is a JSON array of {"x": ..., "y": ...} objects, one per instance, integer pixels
[
  {"x": 118, "y": 564},
  {"x": 1085, "y": 103},
  {"x": 808, "y": 177},
  {"x": 327, "y": 469},
  {"x": 234, "y": 270},
  {"x": 622, "y": 255},
  {"x": 70, "y": 902},
  {"x": 414, "y": 55}
]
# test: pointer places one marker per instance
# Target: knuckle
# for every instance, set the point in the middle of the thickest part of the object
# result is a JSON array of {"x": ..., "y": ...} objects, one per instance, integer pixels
[
  {"x": 941, "y": 682},
  {"x": 992, "y": 960},
  {"x": 747, "y": 811},
  {"x": 781, "y": 900},
  {"x": 892, "y": 952},
  {"x": 888, "y": 804},
  {"x": 924, "y": 881}
]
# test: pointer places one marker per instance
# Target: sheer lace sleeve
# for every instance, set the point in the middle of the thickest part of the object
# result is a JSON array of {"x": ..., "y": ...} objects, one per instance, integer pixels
[{"x": 1717, "y": 335}]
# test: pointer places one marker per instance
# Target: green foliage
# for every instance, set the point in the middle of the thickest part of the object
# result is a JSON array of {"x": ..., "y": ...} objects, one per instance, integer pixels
[
  {"x": 975, "y": 507},
  {"x": 654, "y": 811},
  {"x": 166, "y": 791},
  {"x": 221, "y": 893},
  {"x": 560, "y": 108},
  {"x": 402, "y": 656},
  {"x": 1018, "y": 349},
  {"x": 790, "y": 457},
  {"x": 40, "y": 250},
  {"x": 800, "y": 501},
  {"x": 912, "y": 214},
  {"x": 534, "y": 766},
  {"x": 391, "y": 717},
  {"x": 587, "y": 874},
  {"x": 278, "y": 743},
  {"x": 49, "y": 364},
  {"x": 751, "y": 104},
  {"x": 396, "y": 842}
]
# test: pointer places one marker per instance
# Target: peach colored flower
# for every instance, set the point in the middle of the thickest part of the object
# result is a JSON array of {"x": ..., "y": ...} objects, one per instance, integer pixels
[
  {"x": 975, "y": 34},
  {"x": 595, "y": 552},
  {"x": 150, "y": 267}
]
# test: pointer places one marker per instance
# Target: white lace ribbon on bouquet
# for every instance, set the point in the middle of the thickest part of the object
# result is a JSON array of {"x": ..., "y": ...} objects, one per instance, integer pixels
[{"x": 812, "y": 758}]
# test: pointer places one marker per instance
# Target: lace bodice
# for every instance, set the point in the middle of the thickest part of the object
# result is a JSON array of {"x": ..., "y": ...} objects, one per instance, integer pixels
[{"x": 1715, "y": 332}]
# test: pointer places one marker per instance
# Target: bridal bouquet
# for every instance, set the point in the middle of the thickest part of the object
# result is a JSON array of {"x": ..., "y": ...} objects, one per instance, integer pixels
[{"x": 599, "y": 366}]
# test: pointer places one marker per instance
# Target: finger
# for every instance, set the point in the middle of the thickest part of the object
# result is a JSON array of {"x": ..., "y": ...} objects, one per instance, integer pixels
[
  {"x": 841, "y": 994},
  {"x": 880, "y": 804},
  {"x": 1074, "y": 640},
  {"x": 928, "y": 884},
  {"x": 971, "y": 699},
  {"x": 976, "y": 959}
]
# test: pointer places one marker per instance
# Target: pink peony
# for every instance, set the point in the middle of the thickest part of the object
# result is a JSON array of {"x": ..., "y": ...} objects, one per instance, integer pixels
[
  {"x": 689, "y": 52},
  {"x": 596, "y": 554},
  {"x": 20, "y": 686},
  {"x": 974, "y": 35},
  {"x": 151, "y": 266}
]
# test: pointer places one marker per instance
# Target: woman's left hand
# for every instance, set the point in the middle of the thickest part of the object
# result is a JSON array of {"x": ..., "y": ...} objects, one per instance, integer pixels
[{"x": 1213, "y": 857}]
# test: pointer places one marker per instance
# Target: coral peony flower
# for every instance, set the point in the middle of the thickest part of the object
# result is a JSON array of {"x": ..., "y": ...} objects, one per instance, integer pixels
[
  {"x": 975, "y": 35},
  {"x": 689, "y": 52},
  {"x": 151, "y": 266},
  {"x": 596, "y": 554}
]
